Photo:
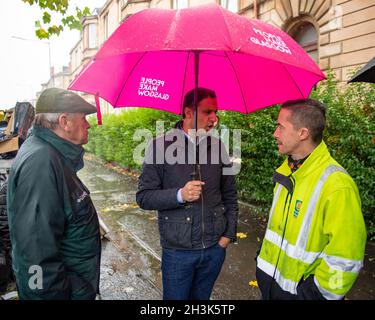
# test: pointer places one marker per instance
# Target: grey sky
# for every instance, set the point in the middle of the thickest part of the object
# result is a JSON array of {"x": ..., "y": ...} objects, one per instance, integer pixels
[{"x": 24, "y": 64}]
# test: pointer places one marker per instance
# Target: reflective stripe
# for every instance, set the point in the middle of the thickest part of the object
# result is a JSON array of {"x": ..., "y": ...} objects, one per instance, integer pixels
[
  {"x": 306, "y": 224},
  {"x": 275, "y": 199},
  {"x": 327, "y": 294},
  {"x": 285, "y": 284},
  {"x": 343, "y": 264},
  {"x": 298, "y": 251},
  {"x": 291, "y": 250}
]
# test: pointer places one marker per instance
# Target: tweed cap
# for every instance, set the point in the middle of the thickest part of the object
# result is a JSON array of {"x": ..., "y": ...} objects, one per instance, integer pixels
[{"x": 55, "y": 100}]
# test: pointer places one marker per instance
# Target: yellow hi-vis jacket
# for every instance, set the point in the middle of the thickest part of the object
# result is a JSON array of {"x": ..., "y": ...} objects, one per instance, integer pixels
[{"x": 317, "y": 229}]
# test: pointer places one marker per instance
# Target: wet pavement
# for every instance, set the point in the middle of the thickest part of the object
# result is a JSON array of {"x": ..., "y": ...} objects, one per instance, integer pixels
[{"x": 131, "y": 259}]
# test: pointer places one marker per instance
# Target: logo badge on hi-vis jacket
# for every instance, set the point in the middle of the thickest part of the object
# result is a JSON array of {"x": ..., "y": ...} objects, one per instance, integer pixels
[{"x": 297, "y": 208}]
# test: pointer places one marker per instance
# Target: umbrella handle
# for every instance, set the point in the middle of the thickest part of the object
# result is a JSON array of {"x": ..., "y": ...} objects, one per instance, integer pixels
[
  {"x": 98, "y": 111},
  {"x": 196, "y": 174}
]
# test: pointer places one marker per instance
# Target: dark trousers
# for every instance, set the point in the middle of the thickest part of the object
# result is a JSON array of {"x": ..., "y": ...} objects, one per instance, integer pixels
[
  {"x": 306, "y": 289},
  {"x": 6, "y": 273},
  {"x": 191, "y": 274}
]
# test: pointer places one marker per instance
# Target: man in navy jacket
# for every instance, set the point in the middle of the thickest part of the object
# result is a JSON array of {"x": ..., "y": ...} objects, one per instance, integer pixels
[{"x": 197, "y": 215}]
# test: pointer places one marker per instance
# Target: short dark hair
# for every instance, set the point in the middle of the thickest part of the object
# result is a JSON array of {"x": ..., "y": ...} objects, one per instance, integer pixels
[
  {"x": 203, "y": 93},
  {"x": 310, "y": 114}
]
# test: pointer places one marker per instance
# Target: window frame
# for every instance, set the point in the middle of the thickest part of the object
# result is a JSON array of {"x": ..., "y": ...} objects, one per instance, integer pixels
[
  {"x": 292, "y": 29},
  {"x": 175, "y": 4},
  {"x": 226, "y": 5}
]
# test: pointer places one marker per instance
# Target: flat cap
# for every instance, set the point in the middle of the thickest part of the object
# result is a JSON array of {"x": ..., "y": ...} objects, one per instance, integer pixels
[{"x": 56, "y": 100}]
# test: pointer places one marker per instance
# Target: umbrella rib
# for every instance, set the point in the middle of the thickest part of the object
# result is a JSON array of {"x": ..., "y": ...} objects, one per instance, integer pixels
[
  {"x": 183, "y": 84},
  {"x": 295, "y": 83},
  {"x": 229, "y": 34},
  {"x": 130, "y": 73},
  {"x": 213, "y": 53},
  {"x": 238, "y": 81}
]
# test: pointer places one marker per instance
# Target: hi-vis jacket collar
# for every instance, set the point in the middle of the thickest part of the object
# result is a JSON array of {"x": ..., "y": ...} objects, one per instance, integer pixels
[{"x": 318, "y": 156}]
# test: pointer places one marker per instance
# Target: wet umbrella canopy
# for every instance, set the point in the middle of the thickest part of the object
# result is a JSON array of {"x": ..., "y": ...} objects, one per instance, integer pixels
[{"x": 156, "y": 56}]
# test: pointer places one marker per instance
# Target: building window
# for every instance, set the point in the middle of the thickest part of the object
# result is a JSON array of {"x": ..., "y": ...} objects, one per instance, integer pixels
[
  {"x": 105, "y": 20},
  {"x": 118, "y": 11},
  {"x": 92, "y": 35},
  {"x": 306, "y": 36},
  {"x": 76, "y": 62},
  {"x": 231, "y": 5},
  {"x": 180, "y": 4}
]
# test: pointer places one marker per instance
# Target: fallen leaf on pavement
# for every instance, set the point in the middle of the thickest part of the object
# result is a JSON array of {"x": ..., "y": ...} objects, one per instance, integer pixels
[
  {"x": 253, "y": 283},
  {"x": 241, "y": 235}
]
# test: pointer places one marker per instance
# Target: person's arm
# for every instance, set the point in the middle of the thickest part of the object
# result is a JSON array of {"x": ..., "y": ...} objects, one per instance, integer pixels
[
  {"x": 343, "y": 255},
  {"x": 37, "y": 226},
  {"x": 229, "y": 197},
  {"x": 150, "y": 194}
]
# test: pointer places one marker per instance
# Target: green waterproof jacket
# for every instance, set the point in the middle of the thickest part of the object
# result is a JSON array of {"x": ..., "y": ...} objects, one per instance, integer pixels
[{"x": 53, "y": 224}]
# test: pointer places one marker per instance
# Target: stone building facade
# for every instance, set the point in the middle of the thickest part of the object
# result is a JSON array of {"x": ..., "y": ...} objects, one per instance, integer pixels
[{"x": 337, "y": 34}]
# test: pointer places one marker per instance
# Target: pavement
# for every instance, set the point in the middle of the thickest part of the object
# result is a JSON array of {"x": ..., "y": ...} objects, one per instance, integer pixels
[{"x": 130, "y": 266}]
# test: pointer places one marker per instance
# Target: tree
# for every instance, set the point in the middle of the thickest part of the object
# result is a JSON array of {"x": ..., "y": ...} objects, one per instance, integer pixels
[{"x": 46, "y": 28}]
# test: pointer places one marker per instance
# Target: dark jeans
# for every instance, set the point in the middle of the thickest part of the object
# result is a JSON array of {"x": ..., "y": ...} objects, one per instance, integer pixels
[{"x": 191, "y": 274}]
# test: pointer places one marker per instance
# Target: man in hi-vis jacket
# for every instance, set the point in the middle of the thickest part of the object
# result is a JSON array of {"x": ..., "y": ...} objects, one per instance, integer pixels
[{"x": 315, "y": 239}]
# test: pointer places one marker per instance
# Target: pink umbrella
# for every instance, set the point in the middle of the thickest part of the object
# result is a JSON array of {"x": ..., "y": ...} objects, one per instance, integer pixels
[{"x": 157, "y": 55}]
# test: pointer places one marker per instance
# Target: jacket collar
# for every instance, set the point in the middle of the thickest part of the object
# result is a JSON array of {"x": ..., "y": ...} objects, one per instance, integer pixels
[
  {"x": 319, "y": 155},
  {"x": 183, "y": 139},
  {"x": 72, "y": 153}
]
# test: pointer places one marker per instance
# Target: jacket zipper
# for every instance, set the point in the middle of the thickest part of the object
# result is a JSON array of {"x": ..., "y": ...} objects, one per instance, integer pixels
[{"x": 288, "y": 201}]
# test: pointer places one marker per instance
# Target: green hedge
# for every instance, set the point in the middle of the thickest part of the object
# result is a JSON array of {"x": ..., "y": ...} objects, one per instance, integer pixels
[
  {"x": 350, "y": 135},
  {"x": 113, "y": 141}
]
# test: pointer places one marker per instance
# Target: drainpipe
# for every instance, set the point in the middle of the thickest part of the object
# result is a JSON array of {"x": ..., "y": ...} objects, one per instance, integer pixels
[{"x": 255, "y": 9}]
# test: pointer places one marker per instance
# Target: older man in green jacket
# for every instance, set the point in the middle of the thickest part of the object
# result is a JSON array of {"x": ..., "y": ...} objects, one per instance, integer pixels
[{"x": 53, "y": 224}]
